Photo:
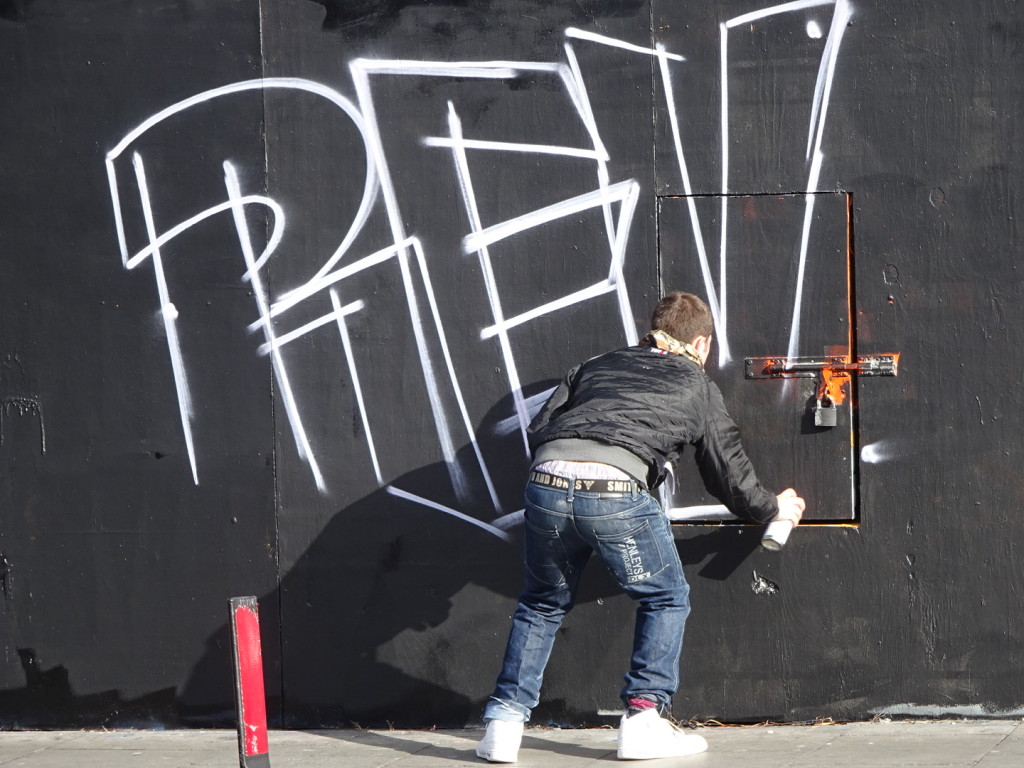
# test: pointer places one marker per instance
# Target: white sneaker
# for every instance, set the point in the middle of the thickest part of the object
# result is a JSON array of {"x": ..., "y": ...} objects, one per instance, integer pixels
[
  {"x": 647, "y": 735},
  {"x": 501, "y": 742}
]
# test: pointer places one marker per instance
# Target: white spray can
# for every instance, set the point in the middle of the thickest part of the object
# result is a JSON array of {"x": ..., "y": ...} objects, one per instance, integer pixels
[{"x": 776, "y": 534}]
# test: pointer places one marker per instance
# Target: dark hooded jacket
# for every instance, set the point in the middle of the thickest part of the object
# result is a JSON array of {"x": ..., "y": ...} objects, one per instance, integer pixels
[{"x": 654, "y": 404}]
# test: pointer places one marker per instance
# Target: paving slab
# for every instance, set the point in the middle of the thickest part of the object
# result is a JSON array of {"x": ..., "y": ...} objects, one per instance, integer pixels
[
  {"x": 918, "y": 744},
  {"x": 930, "y": 744}
]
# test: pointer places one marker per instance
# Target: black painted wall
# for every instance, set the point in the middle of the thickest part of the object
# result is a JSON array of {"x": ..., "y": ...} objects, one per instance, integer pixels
[{"x": 282, "y": 279}]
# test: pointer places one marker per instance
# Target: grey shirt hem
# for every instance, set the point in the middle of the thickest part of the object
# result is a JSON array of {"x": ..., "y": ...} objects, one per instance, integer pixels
[{"x": 574, "y": 449}]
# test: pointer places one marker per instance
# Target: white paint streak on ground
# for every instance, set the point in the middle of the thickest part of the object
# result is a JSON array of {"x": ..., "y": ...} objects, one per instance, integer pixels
[{"x": 940, "y": 711}]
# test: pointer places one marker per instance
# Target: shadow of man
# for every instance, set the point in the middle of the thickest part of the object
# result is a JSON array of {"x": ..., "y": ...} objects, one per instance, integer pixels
[{"x": 397, "y": 614}]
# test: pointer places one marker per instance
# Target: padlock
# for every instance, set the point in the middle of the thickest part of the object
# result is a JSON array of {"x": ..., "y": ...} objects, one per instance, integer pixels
[{"x": 824, "y": 412}]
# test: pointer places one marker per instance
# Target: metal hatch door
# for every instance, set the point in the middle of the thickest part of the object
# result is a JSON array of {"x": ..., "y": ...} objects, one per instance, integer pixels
[{"x": 781, "y": 286}]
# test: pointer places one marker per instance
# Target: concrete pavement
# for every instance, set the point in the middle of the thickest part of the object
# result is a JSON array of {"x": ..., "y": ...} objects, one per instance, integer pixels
[{"x": 960, "y": 744}]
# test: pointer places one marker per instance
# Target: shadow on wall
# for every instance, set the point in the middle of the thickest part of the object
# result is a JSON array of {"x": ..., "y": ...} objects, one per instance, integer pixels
[
  {"x": 14, "y": 10},
  {"x": 398, "y": 614},
  {"x": 393, "y": 614},
  {"x": 375, "y": 16},
  {"x": 47, "y": 700}
]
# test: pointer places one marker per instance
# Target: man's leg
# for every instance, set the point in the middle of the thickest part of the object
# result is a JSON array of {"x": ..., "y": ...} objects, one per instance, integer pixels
[
  {"x": 635, "y": 541},
  {"x": 633, "y": 538},
  {"x": 553, "y": 561},
  {"x": 663, "y": 605}
]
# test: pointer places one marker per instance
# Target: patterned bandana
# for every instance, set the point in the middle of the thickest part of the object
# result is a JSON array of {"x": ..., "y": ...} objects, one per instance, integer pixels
[{"x": 662, "y": 340}]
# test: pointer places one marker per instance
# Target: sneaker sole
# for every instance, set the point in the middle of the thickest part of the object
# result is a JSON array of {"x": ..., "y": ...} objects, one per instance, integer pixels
[{"x": 494, "y": 757}]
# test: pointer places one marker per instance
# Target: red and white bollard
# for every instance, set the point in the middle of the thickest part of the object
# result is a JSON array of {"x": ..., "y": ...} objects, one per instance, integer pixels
[{"x": 251, "y": 702}]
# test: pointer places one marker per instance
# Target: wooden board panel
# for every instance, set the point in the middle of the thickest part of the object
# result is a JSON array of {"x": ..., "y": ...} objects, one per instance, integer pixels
[{"x": 784, "y": 290}]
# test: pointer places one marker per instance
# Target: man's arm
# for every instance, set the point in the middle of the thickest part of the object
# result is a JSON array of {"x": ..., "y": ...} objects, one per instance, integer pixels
[{"x": 726, "y": 469}]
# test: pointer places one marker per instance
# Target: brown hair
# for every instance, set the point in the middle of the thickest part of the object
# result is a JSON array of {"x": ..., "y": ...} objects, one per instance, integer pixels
[{"x": 682, "y": 316}]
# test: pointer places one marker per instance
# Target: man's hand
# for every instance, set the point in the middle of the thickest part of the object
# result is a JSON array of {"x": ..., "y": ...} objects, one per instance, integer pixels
[{"x": 791, "y": 506}]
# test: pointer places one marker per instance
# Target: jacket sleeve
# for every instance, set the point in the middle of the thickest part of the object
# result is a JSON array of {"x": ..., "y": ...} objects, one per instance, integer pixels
[
  {"x": 555, "y": 403},
  {"x": 725, "y": 468}
]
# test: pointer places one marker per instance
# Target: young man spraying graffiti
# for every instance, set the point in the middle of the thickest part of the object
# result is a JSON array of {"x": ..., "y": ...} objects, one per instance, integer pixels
[{"x": 601, "y": 442}]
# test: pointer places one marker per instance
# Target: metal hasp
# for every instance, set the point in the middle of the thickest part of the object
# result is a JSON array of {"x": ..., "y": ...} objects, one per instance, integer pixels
[{"x": 833, "y": 371}]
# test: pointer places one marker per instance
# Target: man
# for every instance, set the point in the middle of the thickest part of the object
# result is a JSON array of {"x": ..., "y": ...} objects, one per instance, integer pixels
[{"x": 601, "y": 442}]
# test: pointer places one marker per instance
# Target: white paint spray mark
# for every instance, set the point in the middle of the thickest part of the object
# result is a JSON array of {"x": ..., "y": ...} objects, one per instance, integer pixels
[
  {"x": 340, "y": 313},
  {"x": 278, "y": 342},
  {"x": 495, "y": 70},
  {"x": 510, "y": 424},
  {"x": 764, "y": 13},
  {"x": 503, "y": 146},
  {"x": 840, "y": 18},
  {"x": 263, "y": 304},
  {"x": 261, "y": 84},
  {"x": 316, "y": 285},
  {"x": 577, "y": 88},
  {"x": 481, "y": 238},
  {"x": 724, "y": 354},
  {"x": 448, "y": 511},
  {"x": 814, "y": 30},
  {"x": 484, "y": 258},
  {"x": 141, "y": 255},
  {"x": 592, "y": 37},
  {"x": 663, "y": 58},
  {"x": 878, "y": 452},
  {"x": 805, "y": 239},
  {"x": 360, "y": 70},
  {"x": 236, "y": 206},
  {"x": 467, "y": 421},
  {"x": 169, "y": 315},
  {"x": 510, "y": 520},
  {"x": 378, "y": 183},
  {"x": 723, "y": 216},
  {"x": 566, "y": 301},
  {"x": 700, "y": 512},
  {"x": 823, "y": 85},
  {"x": 826, "y": 71},
  {"x": 615, "y": 231}
]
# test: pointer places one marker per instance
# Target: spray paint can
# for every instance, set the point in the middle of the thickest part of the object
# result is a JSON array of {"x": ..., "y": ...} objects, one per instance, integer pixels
[{"x": 776, "y": 534}]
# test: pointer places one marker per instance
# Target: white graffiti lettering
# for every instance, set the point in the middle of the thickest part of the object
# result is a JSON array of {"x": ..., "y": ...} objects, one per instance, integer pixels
[{"x": 612, "y": 202}]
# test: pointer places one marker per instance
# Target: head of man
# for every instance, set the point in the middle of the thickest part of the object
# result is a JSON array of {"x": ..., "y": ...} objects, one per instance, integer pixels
[{"x": 685, "y": 318}]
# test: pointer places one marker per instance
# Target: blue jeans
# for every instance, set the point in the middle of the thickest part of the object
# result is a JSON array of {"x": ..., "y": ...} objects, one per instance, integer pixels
[{"x": 631, "y": 534}]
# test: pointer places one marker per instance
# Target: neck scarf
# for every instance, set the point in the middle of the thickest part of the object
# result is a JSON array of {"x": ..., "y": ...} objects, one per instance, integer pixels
[{"x": 662, "y": 340}]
